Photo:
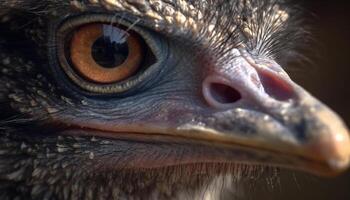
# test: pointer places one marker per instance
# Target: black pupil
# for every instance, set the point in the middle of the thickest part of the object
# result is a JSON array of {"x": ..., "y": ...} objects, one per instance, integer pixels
[{"x": 108, "y": 53}]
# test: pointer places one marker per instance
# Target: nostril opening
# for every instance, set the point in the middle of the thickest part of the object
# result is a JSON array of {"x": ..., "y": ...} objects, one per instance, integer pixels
[
  {"x": 224, "y": 94},
  {"x": 276, "y": 87}
]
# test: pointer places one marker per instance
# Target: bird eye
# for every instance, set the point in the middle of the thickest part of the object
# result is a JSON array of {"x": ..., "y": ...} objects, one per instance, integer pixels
[{"x": 104, "y": 55}]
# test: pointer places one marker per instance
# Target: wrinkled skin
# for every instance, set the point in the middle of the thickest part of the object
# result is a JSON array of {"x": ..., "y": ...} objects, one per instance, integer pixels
[{"x": 169, "y": 136}]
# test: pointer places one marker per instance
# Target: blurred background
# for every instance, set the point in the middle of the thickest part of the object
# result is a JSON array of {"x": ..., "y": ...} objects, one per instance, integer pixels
[{"x": 327, "y": 79}]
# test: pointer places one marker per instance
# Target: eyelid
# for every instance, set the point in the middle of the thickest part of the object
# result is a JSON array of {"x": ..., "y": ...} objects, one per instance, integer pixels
[{"x": 57, "y": 54}]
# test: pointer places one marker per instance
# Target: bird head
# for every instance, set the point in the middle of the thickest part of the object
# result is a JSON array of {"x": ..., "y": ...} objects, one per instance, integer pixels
[{"x": 154, "y": 84}]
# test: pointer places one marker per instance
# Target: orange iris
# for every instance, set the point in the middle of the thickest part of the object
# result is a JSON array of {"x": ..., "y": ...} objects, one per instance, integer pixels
[{"x": 82, "y": 53}]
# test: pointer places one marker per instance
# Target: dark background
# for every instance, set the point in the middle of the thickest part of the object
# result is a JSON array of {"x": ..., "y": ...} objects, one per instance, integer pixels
[{"x": 327, "y": 79}]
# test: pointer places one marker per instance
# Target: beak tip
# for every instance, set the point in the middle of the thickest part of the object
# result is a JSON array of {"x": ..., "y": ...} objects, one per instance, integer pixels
[
  {"x": 340, "y": 151},
  {"x": 331, "y": 143},
  {"x": 333, "y": 149}
]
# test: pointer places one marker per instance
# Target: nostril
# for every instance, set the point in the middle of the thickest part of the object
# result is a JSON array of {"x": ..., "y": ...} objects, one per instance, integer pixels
[
  {"x": 220, "y": 94},
  {"x": 276, "y": 87},
  {"x": 224, "y": 94}
]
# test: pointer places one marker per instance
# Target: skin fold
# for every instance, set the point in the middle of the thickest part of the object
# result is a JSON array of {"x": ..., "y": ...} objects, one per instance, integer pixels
[{"x": 216, "y": 106}]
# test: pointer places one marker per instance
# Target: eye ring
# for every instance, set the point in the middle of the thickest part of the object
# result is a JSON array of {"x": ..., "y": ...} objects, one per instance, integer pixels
[
  {"x": 81, "y": 47},
  {"x": 62, "y": 70}
]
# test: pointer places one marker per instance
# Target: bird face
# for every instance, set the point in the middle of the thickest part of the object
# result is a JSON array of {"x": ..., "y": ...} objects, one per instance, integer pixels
[{"x": 154, "y": 84}]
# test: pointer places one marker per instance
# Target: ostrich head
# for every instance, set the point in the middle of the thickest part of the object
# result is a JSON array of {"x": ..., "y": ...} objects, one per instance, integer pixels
[{"x": 112, "y": 99}]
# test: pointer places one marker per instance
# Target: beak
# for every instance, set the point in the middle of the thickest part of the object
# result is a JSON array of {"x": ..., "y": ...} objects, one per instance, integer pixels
[{"x": 257, "y": 106}]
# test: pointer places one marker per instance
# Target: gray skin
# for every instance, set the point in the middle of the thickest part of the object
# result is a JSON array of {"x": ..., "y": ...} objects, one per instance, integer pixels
[{"x": 168, "y": 135}]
